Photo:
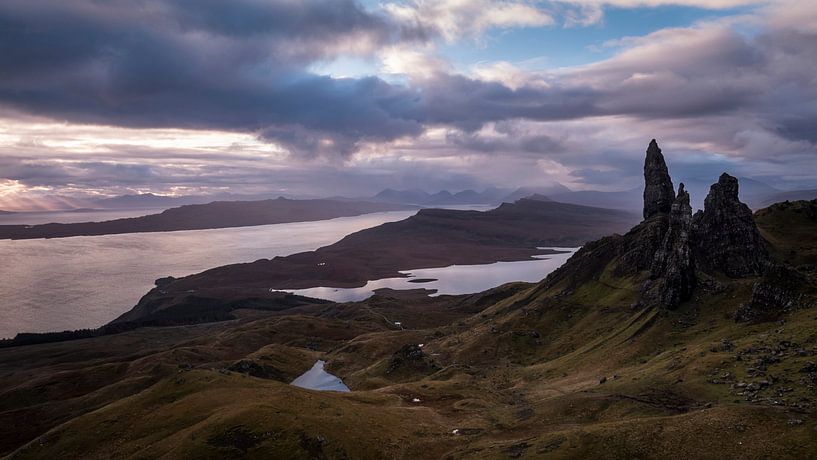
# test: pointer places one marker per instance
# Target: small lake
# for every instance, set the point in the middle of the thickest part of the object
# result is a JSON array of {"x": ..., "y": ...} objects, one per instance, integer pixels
[
  {"x": 318, "y": 379},
  {"x": 453, "y": 280}
]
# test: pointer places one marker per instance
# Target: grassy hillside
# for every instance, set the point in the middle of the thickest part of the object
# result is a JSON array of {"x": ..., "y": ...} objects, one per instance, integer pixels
[{"x": 789, "y": 226}]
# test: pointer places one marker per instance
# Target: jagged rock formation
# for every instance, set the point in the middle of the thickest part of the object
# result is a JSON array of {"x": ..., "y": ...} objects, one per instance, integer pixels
[
  {"x": 659, "y": 194},
  {"x": 725, "y": 236},
  {"x": 673, "y": 266},
  {"x": 671, "y": 244}
]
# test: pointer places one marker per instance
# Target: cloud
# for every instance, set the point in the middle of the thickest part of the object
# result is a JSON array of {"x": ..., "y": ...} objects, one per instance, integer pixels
[
  {"x": 454, "y": 19},
  {"x": 417, "y": 64},
  {"x": 708, "y": 4},
  {"x": 205, "y": 65},
  {"x": 189, "y": 64},
  {"x": 740, "y": 89}
]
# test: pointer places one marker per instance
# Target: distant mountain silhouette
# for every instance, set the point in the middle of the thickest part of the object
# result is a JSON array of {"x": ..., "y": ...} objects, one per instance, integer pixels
[
  {"x": 752, "y": 192},
  {"x": 414, "y": 196},
  {"x": 218, "y": 214},
  {"x": 150, "y": 200},
  {"x": 793, "y": 195},
  {"x": 489, "y": 196},
  {"x": 524, "y": 192},
  {"x": 627, "y": 200}
]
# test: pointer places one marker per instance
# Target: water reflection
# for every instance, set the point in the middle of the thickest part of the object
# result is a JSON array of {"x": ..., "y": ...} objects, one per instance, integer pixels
[
  {"x": 87, "y": 281},
  {"x": 454, "y": 279}
]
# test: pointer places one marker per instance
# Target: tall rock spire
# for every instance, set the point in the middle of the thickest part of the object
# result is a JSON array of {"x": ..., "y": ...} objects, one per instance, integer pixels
[
  {"x": 659, "y": 194},
  {"x": 673, "y": 266}
]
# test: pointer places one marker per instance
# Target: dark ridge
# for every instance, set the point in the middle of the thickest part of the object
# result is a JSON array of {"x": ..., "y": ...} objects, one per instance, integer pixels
[
  {"x": 218, "y": 214},
  {"x": 195, "y": 311}
]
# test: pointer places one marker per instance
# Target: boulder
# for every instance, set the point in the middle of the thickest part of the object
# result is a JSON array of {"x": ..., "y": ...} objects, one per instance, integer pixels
[{"x": 162, "y": 282}]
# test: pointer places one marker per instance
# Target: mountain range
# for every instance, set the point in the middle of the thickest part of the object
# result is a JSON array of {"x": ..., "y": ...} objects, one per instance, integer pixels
[{"x": 755, "y": 193}]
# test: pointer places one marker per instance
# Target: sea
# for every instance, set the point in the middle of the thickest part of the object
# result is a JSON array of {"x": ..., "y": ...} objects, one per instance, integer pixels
[{"x": 82, "y": 282}]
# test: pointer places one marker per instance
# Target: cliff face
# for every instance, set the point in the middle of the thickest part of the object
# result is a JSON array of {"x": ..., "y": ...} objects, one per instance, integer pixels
[{"x": 726, "y": 237}]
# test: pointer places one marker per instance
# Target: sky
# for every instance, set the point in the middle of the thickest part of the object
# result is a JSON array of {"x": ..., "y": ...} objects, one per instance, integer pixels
[{"x": 345, "y": 97}]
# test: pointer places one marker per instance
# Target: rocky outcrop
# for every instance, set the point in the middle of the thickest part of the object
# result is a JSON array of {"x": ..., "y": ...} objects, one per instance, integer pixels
[
  {"x": 659, "y": 194},
  {"x": 410, "y": 358},
  {"x": 162, "y": 282},
  {"x": 672, "y": 244},
  {"x": 259, "y": 370},
  {"x": 778, "y": 292},
  {"x": 673, "y": 267},
  {"x": 680, "y": 251},
  {"x": 725, "y": 236}
]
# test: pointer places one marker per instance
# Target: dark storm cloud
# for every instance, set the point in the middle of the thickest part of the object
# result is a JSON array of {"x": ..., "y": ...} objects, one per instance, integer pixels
[
  {"x": 700, "y": 73},
  {"x": 50, "y": 34},
  {"x": 244, "y": 66},
  {"x": 468, "y": 103},
  {"x": 241, "y": 66},
  {"x": 33, "y": 172},
  {"x": 44, "y": 173},
  {"x": 707, "y": 90},
  {"x": 512, "y": 139},
  {"x": 202, "y": 64}
]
